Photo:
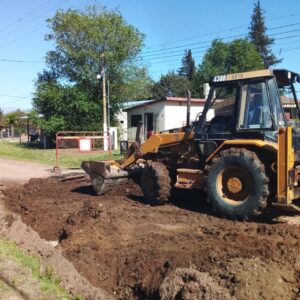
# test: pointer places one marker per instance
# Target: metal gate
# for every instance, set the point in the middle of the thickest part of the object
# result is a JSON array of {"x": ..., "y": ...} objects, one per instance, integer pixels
[{"x": 70, "y": 143}]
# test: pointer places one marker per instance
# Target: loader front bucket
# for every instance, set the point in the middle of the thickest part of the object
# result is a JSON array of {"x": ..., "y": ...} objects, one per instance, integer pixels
[{"x": 105, "y": 175}]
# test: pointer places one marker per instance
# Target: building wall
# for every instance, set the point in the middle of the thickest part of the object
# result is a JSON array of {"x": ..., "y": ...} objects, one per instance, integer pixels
[
  {"x": 123, "y": 126},
  {"x": 158, "y": 118},
  {"x": 175, "y": 114},
  {"x": 166, "y": 115}
]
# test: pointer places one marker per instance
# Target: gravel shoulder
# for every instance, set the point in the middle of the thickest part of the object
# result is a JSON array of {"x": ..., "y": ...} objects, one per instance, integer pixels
[{"x": 21, "y": 171}]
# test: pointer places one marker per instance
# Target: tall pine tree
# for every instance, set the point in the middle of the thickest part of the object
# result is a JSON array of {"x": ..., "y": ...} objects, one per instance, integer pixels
[
  {"x": 188, "y": 67},
  {"x": 259, "y": 37}
]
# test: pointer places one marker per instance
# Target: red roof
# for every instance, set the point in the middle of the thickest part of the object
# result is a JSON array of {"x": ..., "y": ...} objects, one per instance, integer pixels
[
  {"x": 183, "y": 99},
  {"x": 168, "y": 99}
]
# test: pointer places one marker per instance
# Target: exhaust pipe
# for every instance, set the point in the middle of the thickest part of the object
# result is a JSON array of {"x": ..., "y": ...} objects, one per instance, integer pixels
[
  {"x": 188, "y": 108},
  {"x": 138, "y": 132}
]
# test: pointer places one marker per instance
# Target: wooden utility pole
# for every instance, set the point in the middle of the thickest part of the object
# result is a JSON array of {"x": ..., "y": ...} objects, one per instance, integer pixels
[{"x": 104, "y": 102}]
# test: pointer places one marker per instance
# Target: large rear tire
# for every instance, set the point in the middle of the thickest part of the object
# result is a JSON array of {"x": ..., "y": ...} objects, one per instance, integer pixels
[
  {"x": 237, "y": 184},
  {"x": 155, "y": 183}
]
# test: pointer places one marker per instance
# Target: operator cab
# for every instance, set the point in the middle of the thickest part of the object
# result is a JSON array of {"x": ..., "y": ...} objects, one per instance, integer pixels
[{"x": 247, "y": 106}]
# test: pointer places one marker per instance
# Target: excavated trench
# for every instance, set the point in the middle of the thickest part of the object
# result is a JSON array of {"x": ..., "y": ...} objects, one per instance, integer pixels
[{"x": 177, "y": 251}]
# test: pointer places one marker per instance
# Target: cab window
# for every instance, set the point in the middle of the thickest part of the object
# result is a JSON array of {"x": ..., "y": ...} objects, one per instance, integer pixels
[
  {"x": 220, "y": 116},
  {"x": 254, "y": 107},
  {"x": 276, "y": 105}
]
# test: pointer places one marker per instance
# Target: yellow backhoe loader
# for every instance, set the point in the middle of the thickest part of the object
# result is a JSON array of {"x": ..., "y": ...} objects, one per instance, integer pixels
[{"x": 244, "y": 149}]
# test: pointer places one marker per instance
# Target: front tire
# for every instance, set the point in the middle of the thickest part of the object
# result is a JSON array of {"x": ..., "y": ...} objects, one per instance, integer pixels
[
  {"x": 237, "y": 184},
  {"x": 155, "y": 183}
]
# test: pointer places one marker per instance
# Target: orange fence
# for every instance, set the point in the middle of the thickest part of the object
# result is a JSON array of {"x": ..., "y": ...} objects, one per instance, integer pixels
[{"x": 71, "y": 143}]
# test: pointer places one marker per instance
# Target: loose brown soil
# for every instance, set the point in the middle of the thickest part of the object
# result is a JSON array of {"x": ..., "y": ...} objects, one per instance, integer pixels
[{"x": 176, "y": 251}]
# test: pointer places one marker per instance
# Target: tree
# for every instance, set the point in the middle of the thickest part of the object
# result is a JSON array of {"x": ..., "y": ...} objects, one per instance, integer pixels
[
  {"x": 223, "y": 58},
  {"x": 171, "y": 84},
  {"x": 65, "y": 108},
  {"x": 136, "y": 84},
  {"x": 188, "y": 67},
  {"x": 68, "y": 93},
  {"x": 176, "y": 84},
  {"x": 259, "y": 37},
  {"x": 242, "y": 57}
]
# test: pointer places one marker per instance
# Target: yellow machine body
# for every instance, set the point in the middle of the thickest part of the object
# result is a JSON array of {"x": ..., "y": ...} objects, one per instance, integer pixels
[{"x": 192, "y": 166}]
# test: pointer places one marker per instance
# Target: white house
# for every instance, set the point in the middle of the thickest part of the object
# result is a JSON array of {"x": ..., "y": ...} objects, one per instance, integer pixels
[{"x": 157, "y": 115}]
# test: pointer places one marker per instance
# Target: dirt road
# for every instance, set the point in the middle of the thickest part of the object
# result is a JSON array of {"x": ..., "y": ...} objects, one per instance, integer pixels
[
  {"x": 22, "y": 171},
  {"x": 177, "y": 251}
]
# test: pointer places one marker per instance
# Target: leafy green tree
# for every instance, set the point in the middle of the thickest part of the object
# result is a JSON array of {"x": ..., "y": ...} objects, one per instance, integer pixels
[
  {"x": 214, "y": 61},
  {"x": 81, "y": 39},
  {"x": 86, "y": 42},
  {"x": 136, "y": 84},
  {"x": 223, "y": 58},
  {"x": 171, "y": 84},
  {"x": 242, "y": 57},
  {"x": 65, "y": 108},
  {"x": 188, "y": 66},
  {"x": 259, "y": 37},
  {"x": 176, "y": 84}
]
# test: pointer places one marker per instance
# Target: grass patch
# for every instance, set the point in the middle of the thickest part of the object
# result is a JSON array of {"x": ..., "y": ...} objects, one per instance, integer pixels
[
  {"x": 67, "y": 158},
  {"x": 3, "y": 287},
  {"x": 46, "y": 279}
]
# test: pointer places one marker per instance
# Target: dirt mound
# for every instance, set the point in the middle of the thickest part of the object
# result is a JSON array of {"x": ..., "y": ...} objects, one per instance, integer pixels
[
  {"x": 129, "y": 248},
  {"x": 188, "y": 283},
  {"x": 53, "y": 264},
  {"x": 273, "y": 280},
  {"x": 88, "y": 211}
]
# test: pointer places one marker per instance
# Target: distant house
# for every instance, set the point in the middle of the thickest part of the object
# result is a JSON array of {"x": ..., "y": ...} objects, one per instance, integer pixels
[
  {"x": 157, "y": 115},
  {"x": 289, "y": 107},
  {"x": 25, "y": 131},
  {"x": 6, "y": 131}
]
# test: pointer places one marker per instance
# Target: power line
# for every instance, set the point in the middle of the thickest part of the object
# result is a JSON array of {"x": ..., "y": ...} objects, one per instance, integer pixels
[
  {"x": 34, "y": 30},
  {"x": 13, "y": 96},
  {"x": 169, "y": 56},
  {"x": 34, "y": 19},
  {"x": 180, "y": 50},
  {"x": 20, "y": 61},
  {"x": 288, "y": 37},
  {"x": 291, "y": 49},
  {"x": 164, "y": 54},
  {"x": 221, "y": 31},
  {"x": 227, "y": 37},
  {"x": 21, "y": 37},
  {"x": 150, "y": 58},
  {"x": 202, "y": 52},
  {"x": 19, "y": 99},
  {"x": 175, "y": 51},
  {"x": 24, "y": 16},
  {"x": 287, "y": 43},
  {"x": 193, "y": 44}
]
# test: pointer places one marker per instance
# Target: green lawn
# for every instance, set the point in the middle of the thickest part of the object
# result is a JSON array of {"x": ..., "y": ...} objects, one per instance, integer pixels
[
  {"x": 22, "y": 274},
  {"x": 67, "y": 157}
]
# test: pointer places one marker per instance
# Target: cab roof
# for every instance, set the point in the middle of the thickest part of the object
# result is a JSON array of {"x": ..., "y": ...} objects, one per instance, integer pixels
[{"x": 283, "y": 77}]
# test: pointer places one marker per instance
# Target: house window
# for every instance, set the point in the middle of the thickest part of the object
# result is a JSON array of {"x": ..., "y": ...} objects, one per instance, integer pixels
[{"x": 135, "y": 120}]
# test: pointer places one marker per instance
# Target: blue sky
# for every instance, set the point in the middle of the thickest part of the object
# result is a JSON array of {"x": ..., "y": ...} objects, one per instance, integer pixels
[{"x": 170, "y": 28}]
